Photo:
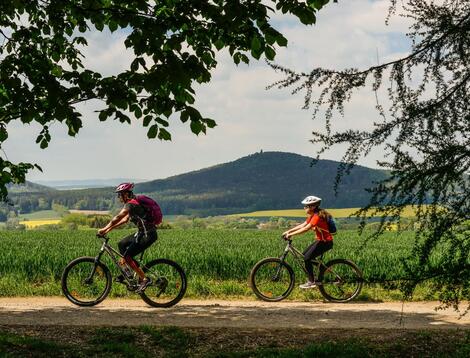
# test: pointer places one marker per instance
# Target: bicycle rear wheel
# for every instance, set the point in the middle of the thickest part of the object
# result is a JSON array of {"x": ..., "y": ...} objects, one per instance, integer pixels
[
  {"x": 272, "y": 280},
  {"x": 341, "y": 281},
  {"x": 86, "y": 282},
  {"x": 168, "y": 286}
]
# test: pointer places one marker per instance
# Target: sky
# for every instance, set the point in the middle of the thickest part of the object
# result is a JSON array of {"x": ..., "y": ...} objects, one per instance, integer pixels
[{"x": 249, "y": 117}]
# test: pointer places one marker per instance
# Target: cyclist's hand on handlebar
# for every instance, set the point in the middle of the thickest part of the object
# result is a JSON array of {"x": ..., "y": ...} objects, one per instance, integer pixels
[{"x": 101, "y": 233}]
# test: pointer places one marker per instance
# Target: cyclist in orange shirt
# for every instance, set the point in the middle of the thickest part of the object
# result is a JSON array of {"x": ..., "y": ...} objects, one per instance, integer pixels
[{"x": 317, "y": 220}]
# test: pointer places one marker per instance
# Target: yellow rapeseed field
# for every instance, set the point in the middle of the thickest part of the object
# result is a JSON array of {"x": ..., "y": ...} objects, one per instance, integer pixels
[
  {"x": 30, "y": 224},
  {"x": 337, "y": 213}
]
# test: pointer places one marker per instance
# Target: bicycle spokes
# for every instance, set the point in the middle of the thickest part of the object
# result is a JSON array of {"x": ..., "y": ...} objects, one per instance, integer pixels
[
  {"x": 272, "y": 280},
  {"x": 169, "y": 283},
  {"x": 85, "y": 281},
  {"x": 341, "y": 281}
]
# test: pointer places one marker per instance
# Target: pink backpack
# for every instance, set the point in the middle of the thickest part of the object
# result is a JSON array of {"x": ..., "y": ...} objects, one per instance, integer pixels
[{"x": 154, "y": 213}]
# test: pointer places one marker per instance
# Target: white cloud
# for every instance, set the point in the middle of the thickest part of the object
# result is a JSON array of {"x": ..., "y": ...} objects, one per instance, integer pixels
[{"x": 347, "y": 34}]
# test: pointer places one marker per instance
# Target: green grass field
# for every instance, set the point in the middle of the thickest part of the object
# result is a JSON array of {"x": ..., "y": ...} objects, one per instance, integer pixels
[{"x": 217, "y": 262}]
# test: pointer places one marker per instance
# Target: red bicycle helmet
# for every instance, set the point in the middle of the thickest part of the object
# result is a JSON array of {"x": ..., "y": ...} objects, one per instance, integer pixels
[{"x": 124, "y": 187}]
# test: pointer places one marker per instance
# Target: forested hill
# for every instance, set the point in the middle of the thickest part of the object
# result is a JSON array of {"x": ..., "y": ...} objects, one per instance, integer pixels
[
  {"x": 266, "y": 180},
  {"x": 28, "y": 187}
]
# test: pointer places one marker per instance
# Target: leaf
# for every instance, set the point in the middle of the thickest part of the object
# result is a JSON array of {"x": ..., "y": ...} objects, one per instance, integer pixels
[
  {"x": 99, "y": 25},
  {"x": 164, "y": 134},
  {"x": 219, "y": 44},
  {"x": 196, "y": 127},
  {"x": 255, "y": 44},
  {"x": 270, "y": 53},
  {"x": 43, "y": 144},
  {"x": 135, "y": 65},
  {"x": 207, "y": 58},
  {"x": 153, "y": 131},
  {"x": 210, "y": 122},
  {"x": 245, "y": 58},
  {"x": 113, "y": 26},
  {"x": 56, "y": 71},
  {"x": 184, "y": 116},
  {"x": 3, "y": 134},
  {"x": 236, "y": 58},
  {"x": 103, "y": 116},
  {"x": 281, "y": 40},
  {"x": 55, "y": 56},
  {"x": 138, "y": 112},
  {"x": 147, "y": 120},
  {"x": 162, "y": 122}
]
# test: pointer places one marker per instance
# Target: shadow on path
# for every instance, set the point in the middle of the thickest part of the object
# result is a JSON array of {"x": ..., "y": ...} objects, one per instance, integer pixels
[{"x": 246, "y": 316}]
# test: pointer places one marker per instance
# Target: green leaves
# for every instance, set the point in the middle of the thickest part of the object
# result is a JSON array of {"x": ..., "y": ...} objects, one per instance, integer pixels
[
  {"x": 44, "y": 76},
  {"x": 44, "y": 138},
  {"x": 3, "y": 133},
  {"x": 155, "y": 131},
  {"x": 197, "y": 127},
  {"x": 257, "y": 47},
  {"x": 57, "y": 71}
]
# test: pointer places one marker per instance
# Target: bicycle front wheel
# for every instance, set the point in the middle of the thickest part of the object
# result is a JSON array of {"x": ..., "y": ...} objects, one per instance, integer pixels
[
  {"x": 341, "y": 281},
  {"x": 272, "y": 279},
  {"x": 168, "y": 283},
  {"x": 86, "y": 282}
]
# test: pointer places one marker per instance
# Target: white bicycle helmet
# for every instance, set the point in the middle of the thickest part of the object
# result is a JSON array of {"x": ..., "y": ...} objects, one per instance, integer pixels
[{"x": 312, "y": 200}]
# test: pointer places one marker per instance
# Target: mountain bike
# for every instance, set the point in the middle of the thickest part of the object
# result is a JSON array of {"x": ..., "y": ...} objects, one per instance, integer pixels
[
  {"x": 272, "y": 279},
  {"x": 86, "y": 281}
]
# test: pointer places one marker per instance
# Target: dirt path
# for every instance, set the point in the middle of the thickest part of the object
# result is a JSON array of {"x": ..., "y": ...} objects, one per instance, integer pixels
[{"x": 56, "y": 311}]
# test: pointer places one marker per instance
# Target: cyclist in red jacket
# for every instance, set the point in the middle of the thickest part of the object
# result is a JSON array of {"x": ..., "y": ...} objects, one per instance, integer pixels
[
  {"x": 317, "y": 220},
  {"x": 133, "y": 244}
]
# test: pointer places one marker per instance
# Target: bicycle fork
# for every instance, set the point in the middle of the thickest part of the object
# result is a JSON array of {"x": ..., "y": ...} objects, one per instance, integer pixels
[
  {"x": 282, "y": 259},
  {"x": 89, "y": 279}
]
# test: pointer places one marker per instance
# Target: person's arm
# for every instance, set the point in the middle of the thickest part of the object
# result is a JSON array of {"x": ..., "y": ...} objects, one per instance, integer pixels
[
  {"x": 118, "y": 220},
  {"x": 300, "y": 230},
  {"x": 294, "y": 228}
]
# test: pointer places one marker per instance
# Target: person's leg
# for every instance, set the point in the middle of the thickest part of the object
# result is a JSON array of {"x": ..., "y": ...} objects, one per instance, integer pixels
[
  {"x": 141, "y": 243},
  {"x": 322, "y": 247},
  {"x": 145, "y": 242},
  {"x": 308, "y": 256},
  {"x": 124, "y": 244}
]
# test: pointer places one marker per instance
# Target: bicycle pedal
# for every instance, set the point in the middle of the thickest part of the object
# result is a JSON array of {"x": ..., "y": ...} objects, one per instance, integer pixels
[{"x": 119, "y": 279}]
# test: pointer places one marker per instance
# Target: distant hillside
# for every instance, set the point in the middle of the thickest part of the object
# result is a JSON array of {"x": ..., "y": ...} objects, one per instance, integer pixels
[
  {"x": 28, "y": 187},
  {"x": 86, "y": 183},
  {"x": 268, "y": 180},
  {"x": 261, "y": 181}
]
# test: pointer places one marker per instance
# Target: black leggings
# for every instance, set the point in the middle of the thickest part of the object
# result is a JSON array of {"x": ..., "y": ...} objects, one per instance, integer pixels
[
  {"x": 136, "y": 243},
  {"x": 314, "y": 250}
]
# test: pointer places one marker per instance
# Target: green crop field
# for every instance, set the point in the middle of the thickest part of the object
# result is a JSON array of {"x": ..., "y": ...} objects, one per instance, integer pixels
[{"x": 217, "y": 262}]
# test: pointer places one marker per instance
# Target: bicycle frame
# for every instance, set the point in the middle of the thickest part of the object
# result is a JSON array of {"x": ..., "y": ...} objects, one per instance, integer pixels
[
  {"x": 299, "y": 258},
  {"x": 113, "y": 254}
]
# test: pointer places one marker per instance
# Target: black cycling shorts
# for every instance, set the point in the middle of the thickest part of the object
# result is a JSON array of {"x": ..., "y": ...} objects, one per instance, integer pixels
[{"x": 134, "y": 244}]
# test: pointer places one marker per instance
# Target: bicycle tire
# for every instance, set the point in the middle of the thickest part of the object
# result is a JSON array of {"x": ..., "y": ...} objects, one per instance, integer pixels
[
  {"x": 266, "y": 293},
  {"x": 70, "y": 285},
  {"x": 341, "y": 280},
  {"x": 179, "y": 287}
]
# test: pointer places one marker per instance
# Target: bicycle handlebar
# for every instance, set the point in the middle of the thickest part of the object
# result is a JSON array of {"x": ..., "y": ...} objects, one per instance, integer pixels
[
  {"x": 104, "y": 237},
  {"x": 285, "y": 239}
]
